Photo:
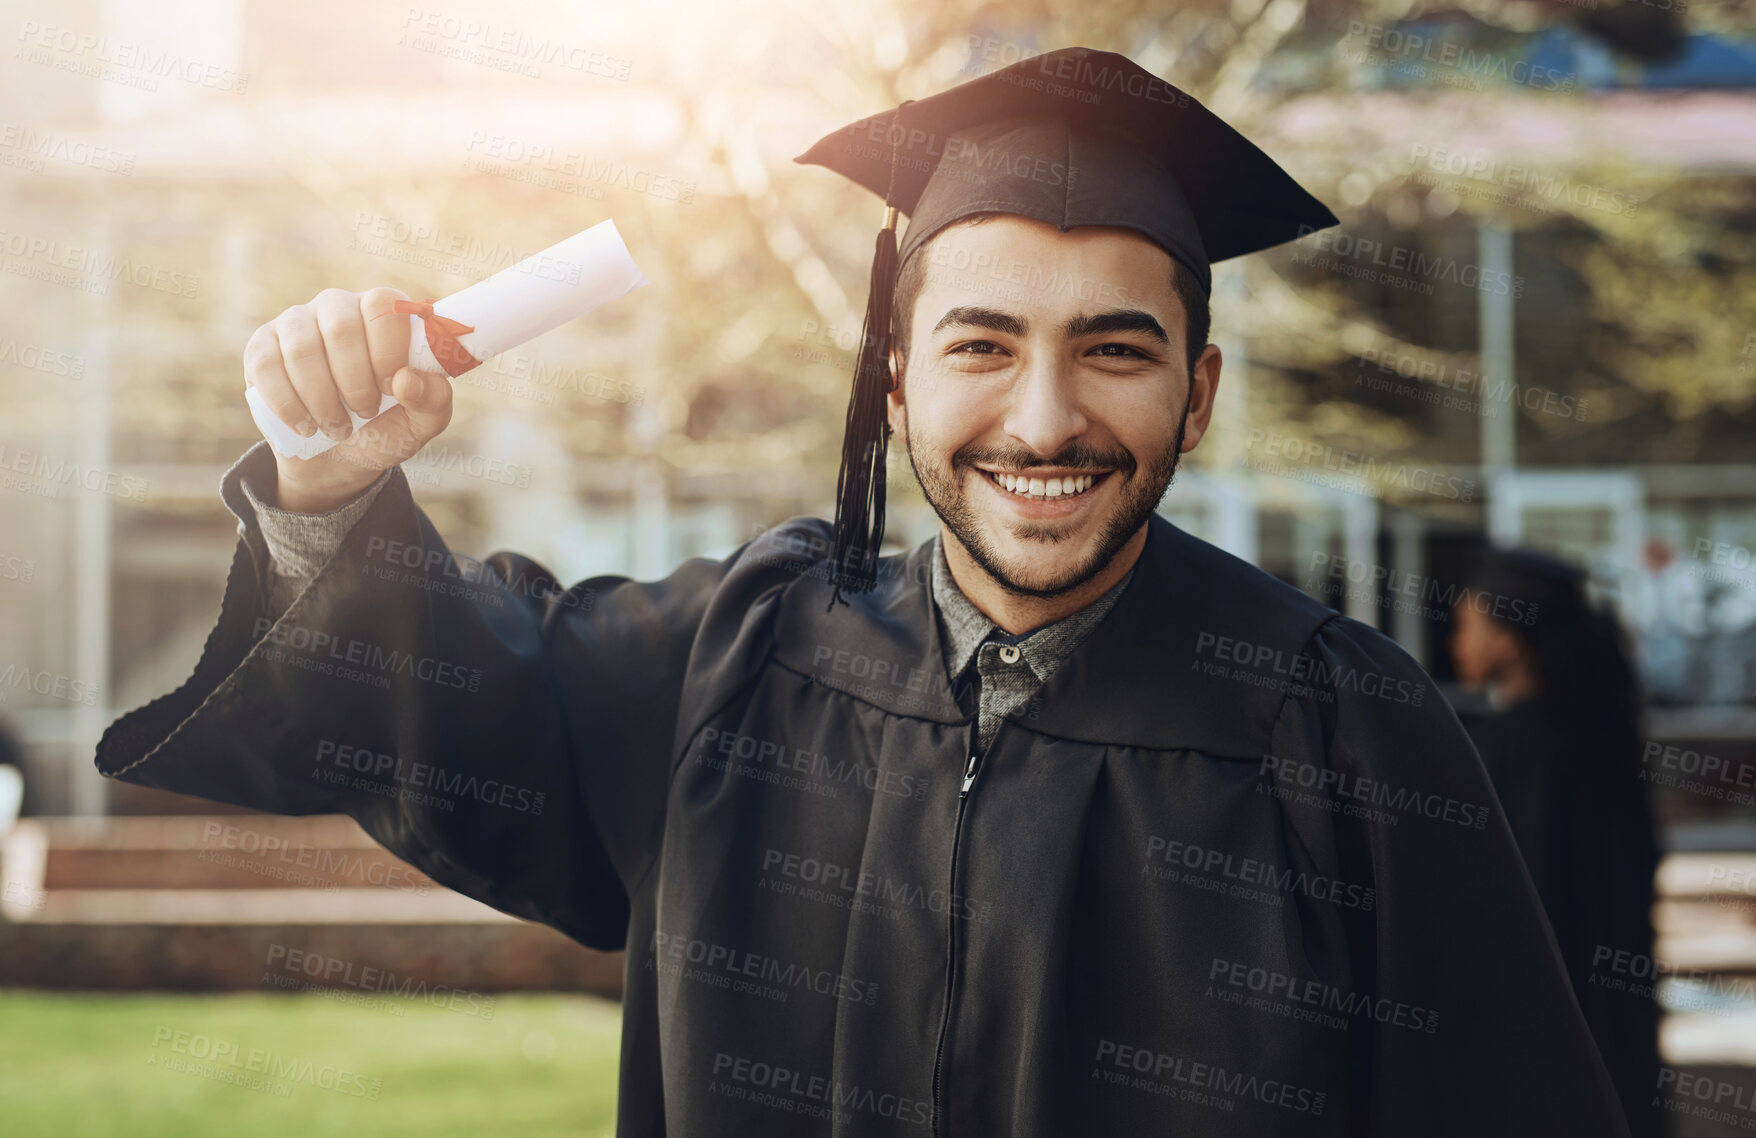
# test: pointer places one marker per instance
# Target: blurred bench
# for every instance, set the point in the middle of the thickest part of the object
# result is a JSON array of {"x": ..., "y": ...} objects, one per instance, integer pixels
[{"x": 226, "y": 902}]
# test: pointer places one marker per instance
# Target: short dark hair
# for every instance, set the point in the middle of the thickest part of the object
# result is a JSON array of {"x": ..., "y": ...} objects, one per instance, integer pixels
[{"x": 1197, "y": 315}]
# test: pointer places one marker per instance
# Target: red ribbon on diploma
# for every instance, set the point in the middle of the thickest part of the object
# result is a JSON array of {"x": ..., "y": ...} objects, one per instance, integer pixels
[{"x": 442, "y": 334}]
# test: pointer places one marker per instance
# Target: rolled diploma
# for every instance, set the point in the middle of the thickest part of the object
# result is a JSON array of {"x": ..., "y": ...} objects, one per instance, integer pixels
[{"x": 515, "y": 305}]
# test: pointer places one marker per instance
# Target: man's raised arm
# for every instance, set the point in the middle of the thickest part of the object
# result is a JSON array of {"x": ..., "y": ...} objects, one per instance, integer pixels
[{"x": 506, "y": 735}]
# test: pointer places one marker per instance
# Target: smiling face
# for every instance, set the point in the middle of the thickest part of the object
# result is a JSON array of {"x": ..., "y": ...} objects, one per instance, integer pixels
[{"x": 1046, "y": 394}]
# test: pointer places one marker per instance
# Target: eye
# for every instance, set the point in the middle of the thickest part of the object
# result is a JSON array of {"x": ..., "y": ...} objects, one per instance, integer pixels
[
  {"x": 1120, "y": 352},
  {"x": 976, "y": 348}
]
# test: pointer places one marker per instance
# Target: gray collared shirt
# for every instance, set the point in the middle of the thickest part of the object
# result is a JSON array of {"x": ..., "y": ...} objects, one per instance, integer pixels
[
  {"x": 299, "y": 544},
  {"x": 1009, "y": 670}
]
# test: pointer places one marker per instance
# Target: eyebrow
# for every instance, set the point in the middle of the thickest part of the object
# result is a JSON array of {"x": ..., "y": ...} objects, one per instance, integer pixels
[
  {"x": 1115, "y": 320},
  {"x": 975, "y": 316}
]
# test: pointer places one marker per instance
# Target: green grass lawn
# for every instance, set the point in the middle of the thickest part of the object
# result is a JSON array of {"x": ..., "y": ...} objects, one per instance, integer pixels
[{"x": 74, "y": 1065}]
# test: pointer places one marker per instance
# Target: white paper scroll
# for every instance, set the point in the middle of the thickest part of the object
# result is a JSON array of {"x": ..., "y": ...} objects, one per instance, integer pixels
[{"x": 515, "y": 305}]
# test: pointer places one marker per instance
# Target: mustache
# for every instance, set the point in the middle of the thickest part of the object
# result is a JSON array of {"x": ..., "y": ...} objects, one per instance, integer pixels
[{"x": 1075, "y": 456}]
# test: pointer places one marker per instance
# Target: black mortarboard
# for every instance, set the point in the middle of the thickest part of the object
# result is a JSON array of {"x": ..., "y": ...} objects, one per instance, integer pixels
[{"x": 1072, "y": 137}]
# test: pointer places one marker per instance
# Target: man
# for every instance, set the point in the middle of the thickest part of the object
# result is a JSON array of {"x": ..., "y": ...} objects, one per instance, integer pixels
[{"x": 1063, "y": 823}]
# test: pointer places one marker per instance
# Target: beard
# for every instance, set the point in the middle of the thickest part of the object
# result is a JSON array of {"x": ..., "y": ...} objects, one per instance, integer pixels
[{"x": 1142, "y": 489}]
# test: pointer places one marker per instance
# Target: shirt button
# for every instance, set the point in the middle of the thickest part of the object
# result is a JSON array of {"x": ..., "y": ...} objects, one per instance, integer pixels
[{"x": 1009, "y": 653}]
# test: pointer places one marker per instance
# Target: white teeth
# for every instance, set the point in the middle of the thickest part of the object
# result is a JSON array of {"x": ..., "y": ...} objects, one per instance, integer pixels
[{"x": 1045, "y": 488}]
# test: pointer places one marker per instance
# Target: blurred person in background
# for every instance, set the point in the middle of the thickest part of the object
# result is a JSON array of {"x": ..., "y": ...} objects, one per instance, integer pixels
[
  {"x": 1665, "y": 603},
  {"x": 1562, "y": 744}
]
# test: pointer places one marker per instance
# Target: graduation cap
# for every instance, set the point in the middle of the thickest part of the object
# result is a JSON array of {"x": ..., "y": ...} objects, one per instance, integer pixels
[{"x": 1072, "y": 137}]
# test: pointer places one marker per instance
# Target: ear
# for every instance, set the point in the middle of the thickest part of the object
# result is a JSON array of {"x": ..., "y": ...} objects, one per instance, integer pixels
[
  {"x": 893, "y": 404},
  {"x": 1203, "y": 386}
]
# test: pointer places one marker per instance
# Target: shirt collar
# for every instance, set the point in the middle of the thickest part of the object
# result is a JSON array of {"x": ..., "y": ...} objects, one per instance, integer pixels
[{"x": 966, "y": 629}]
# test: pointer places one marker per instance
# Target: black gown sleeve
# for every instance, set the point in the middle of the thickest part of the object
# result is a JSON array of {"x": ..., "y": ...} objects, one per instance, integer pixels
[
  {"x": 506, "y": 735},
  {"x": 1400, "y": 799}
]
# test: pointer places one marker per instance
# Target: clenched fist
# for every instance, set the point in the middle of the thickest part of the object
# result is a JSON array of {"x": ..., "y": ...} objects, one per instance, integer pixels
[{"x": 344, "y": 350}]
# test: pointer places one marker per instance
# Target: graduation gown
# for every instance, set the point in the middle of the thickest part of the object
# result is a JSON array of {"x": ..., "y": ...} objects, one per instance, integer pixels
[
  {"x": 1586, "y": 835},
  {"x": 1236, "y": 870}
]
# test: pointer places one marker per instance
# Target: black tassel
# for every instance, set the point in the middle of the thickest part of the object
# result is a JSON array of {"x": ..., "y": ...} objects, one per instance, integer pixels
[{"x": 859, "y": 488}]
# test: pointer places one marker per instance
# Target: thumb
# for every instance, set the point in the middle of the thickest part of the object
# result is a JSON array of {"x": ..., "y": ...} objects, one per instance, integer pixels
[{"x": 425, "y": 397}]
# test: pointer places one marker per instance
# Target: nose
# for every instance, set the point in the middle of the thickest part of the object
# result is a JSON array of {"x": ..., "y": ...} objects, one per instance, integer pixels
[{"x": 1044, "y": 413}]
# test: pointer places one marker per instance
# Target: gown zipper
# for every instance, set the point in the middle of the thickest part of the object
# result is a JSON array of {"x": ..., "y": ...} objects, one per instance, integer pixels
[{"x": 969, "y": 778}]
